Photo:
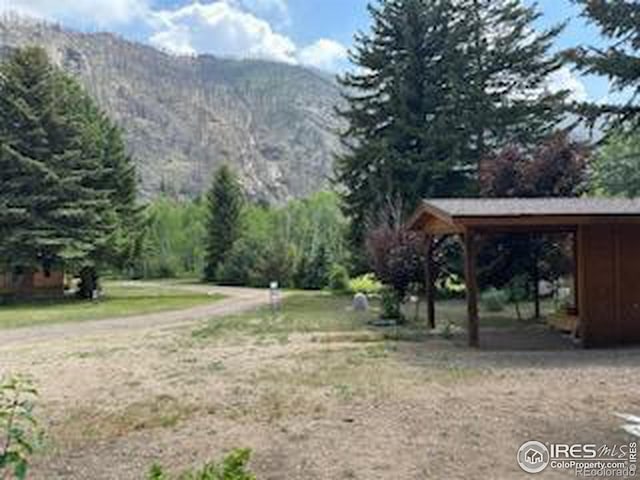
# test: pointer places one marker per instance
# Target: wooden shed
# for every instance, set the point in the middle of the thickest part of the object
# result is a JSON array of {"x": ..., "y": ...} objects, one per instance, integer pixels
[
  {"x": 32, "y": 284},
  {"x": 607, "y": 253}
]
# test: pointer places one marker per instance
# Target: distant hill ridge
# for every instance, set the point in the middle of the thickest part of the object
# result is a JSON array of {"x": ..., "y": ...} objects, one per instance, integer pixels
[{"x": 183, "y": 116}]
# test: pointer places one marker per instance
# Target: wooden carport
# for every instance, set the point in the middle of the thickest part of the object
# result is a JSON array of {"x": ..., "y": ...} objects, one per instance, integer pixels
[{"x": 607, "y": 253}]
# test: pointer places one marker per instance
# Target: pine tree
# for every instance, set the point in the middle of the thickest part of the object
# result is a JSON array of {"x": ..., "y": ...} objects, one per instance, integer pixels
[
  {"x": 59, "y": 170},
  {"x": 440, "y": 84},
  {"x": 502, "y": 77},
  {"x": 401, "y": 141},
  {"x": 126, "y": 239},
  {"x": 47, "y": 171},
  {"x": 619, "y": 21},
  {"x": 225, "y": 207}
]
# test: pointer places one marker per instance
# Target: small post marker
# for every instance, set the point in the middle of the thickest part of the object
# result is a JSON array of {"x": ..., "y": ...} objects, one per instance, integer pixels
[{"x": 274, "y": 292}]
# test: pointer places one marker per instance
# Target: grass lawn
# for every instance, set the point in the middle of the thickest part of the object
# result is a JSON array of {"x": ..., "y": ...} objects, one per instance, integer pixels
[
  {"x": 326, "y": 313},
  {"x": 455, "y": 312},
  {"x": 300, "y": 313},
  {"x": 120, "y": 300}
]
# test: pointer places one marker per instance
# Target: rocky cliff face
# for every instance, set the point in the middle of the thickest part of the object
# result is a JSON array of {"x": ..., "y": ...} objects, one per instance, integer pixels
[{"x": 184, "y": 116}]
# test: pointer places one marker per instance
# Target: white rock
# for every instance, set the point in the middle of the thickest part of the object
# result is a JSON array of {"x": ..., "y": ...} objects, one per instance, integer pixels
[{"x": 360, "y": 302}]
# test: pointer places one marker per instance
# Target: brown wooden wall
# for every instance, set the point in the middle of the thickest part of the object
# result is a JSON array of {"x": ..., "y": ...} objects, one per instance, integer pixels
[
  {"x": 5, "y": 283},
  {"x": 34, "y": 284},
  {"x": 609, "y": 284}
]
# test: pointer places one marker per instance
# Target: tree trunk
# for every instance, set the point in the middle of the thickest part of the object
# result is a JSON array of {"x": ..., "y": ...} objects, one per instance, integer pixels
[
  {"x": 88, "y": 283},
  {"x": 516, "y": 305},
  {"x": 429, "y": 284},
  {"x": 472, "y": 288},
  {"x": 431, "y": 299},
  {"x": 536, "y": 287}
]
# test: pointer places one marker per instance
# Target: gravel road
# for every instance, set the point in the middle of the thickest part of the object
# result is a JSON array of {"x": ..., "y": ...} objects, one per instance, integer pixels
[{"x": 236, "y": 300}]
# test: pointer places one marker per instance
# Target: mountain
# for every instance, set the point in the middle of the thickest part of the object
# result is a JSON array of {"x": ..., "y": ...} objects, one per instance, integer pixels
[{"x": 183, "y": 116}]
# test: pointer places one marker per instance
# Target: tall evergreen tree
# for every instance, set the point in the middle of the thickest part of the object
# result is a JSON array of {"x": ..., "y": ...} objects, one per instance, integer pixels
[
  {"x": 46, "y": 172},
  {"x": 124, "y": 241},
  {"x": 225, "y": 207},
  {"x": 619, "y": 21},
  {"x": 439, "y": 84},
  {"x": 119, "y": 180},
  {"x": 503, "y": 73},
  {"x": 397, "y": 111},
  {"x": 53, "y": 165}
]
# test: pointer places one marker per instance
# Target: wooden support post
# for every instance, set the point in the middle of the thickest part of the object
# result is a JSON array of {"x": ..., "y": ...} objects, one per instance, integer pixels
[
  {"x": 472, "y": 287},
  {"x": 429, "y": 284},
  {"x": 576, "y": 272},
  {"x": 578, "y": 279},
  {"x": 536, "y": 286}
]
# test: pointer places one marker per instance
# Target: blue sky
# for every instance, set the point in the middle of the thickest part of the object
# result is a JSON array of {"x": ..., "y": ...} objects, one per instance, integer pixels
[{"x": 309, "y": 32}]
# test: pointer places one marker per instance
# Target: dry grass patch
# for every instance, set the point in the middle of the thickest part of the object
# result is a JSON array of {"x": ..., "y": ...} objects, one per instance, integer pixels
[
  {"x": 270, "y": 404},
  {"x": 88, "y": 424},
  {"x": 372, "y": 372}
]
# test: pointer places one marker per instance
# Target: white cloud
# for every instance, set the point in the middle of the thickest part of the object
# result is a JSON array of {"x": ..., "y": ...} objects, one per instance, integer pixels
[
  {"x": 220, "y": 28},
  {"x": 274, "y": 10},
  {"x": 175, "y": 39},
  {"x": 100, "y": 13},
  {"x": 565, "y": 79},
  {"x": 226, "y": 28},
  {"x": 325, "y": 54}
]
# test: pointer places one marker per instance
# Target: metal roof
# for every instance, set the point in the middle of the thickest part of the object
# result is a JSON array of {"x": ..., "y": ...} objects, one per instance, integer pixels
[
  {"x": 518, "y": 207},
  {"x": 454, "y": 215}
]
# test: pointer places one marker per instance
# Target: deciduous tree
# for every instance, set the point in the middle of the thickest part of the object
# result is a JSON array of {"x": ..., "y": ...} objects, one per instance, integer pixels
[
  {"x": 395, "y": 253},
  {"x": 615, "y": 168},
  {"x": 556, "y": 168}
]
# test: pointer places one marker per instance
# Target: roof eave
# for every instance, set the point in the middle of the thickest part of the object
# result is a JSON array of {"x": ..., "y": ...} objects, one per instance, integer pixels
[{"x": 426, "y": 210}]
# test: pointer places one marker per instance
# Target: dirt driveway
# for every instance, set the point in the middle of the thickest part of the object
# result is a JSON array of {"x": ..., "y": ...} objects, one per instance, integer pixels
[
  {"x": 312, "y": 406},
  {"x": 236, "y": 300}
]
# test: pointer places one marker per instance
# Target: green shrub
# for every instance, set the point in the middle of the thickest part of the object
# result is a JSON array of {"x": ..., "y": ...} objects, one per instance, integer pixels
[
  {"x": 237, "y": 269},
  {"x": 452, "y": 287},
  {"x": 19, "y": 432},
  {"x": 391, "y": 304},
  {"x": 313, "y": 274},
  {"x": 174, "y": 240},
  {"x": 232, "y": 467},
  {"x": 275, "y": 264},
  {"x": 165, "y": 270},
  {"x": 254, "y": 264},
  {"x": 494, "y": 300},
  {"x": 448, "y": 330},
  {"x": 367, "y": 284},
  {"x": 338, "y": 278},
  {"x": 518, "y": 292}
]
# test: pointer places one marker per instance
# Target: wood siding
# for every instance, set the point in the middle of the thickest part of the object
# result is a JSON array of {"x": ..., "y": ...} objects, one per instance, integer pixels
[
  {"x": 609, "y": 284},
  {"x": 34, "y": 284},
  {"x": 5, "y": 283}
]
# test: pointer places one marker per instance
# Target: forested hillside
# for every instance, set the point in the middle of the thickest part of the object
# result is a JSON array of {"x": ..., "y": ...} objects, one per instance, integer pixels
[{"x": 183, "y": 116}]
